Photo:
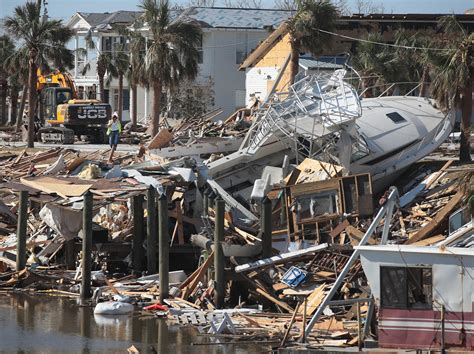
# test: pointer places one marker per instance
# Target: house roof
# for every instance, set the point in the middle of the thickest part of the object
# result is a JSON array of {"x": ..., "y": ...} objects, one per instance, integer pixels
[
  {"x": 223, "y": 17},
  {"x": 207, "y": 17},
  {"x": 310, "y": 63},
  {"x": 96, "y": 19}
]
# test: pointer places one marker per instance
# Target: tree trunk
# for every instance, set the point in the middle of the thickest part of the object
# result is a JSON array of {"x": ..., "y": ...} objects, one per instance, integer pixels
[
  {"x": 19, "y": 118},
  {"x": 134, "y": 106},
  {"x": 156, "y": 110},
  {"x": 14, "y": 103},
  {"x": 424, "y": 82},
  {"x": 466, "y": 102},
  {"x": 31, "y": 99},
  {"x": 120, "y": 97},
  {"x": 3, "y": 102},
  {"x": 101, "y": 88},
  {"x": 295, "y": 59}
]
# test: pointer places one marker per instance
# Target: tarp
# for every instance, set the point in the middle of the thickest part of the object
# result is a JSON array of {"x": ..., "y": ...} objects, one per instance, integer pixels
[{"x": 66, "y": 222}]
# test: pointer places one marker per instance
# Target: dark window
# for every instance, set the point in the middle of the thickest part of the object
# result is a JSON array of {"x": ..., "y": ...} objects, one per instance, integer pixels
[
  {"x": 395, "y": 117},
  {"x": 406, "y": 287},
  {"x": 126, "y": 100}
]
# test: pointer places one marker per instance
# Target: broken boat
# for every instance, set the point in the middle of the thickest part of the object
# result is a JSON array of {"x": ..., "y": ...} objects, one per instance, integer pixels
[{"x": 323, "y": 117}]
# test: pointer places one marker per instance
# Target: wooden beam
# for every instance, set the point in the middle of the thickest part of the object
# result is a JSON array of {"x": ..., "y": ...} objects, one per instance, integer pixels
[{"x": 438, "y": 219}]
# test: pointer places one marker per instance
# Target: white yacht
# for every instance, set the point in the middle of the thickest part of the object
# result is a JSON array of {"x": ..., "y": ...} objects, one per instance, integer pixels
[{"x": 323, "y": 117}]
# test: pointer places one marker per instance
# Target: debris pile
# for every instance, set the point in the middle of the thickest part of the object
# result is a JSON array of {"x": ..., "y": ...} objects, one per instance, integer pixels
[{"x": 317, "y": 216}]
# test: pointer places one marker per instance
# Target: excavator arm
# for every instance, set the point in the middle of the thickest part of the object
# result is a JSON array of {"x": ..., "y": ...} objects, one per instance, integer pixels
[{"x": 56, "y": 79}]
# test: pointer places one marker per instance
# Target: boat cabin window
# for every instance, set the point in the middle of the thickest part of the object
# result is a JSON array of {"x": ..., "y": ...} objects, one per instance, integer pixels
[
  {"x": 396, "y": 117},
  {"x": 406, "y": 287}
]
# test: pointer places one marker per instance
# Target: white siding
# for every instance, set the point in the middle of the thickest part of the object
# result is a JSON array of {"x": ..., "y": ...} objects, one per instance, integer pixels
[{"x": 256, "y": 82}]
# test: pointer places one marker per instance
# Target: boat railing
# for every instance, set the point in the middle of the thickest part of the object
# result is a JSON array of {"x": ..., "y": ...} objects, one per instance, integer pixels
[{"x": 389, "y": 86}]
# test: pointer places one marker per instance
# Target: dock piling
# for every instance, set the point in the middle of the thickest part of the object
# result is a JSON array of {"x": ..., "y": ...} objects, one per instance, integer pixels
[
  {"x": 266, "y": 225},
  {"x": 164, "y": 246},
  {"x": 21, "y": 231},
  {"x": 219, "y": 254},
  {"x": 151, "y": 230},
  {"x": 138, "y": 231},
  {"x": 86, "y": 246}
]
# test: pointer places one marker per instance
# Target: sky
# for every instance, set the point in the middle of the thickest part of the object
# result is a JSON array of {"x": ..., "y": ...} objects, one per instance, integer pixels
[{"x": 64, "y": 9}]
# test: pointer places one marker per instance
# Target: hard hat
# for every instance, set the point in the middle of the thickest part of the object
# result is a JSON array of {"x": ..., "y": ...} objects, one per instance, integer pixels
[{"x": 115, "y": 114}]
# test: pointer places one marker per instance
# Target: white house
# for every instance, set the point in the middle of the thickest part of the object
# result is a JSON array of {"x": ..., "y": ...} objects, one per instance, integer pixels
[{"x": 229, "y": 35}]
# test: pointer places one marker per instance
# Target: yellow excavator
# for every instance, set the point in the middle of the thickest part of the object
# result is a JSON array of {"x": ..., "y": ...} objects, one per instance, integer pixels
[{"x": 63, "y": 116}]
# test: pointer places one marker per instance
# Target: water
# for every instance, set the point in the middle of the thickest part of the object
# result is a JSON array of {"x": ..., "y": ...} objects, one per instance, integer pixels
[{"x": 46, "y": 324}]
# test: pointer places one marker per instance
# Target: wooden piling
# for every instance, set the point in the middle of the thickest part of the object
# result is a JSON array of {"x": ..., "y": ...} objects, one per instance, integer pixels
[
  {"x": 86, "y": 246},
  {"x": 205, "y": 202},
  {"x": 70, "y": 254},
  {"x": 266, "y": 225},
  {"x": 163, "y": 245},
  {"x": 21, "y": 231},
  {"x": 151, "y": 230},
  {"x": 138, "y": 231},
  {"x": 219, "y": 287}
]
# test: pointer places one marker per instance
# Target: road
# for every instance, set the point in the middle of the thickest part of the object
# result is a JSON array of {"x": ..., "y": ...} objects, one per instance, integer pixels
[{"x": 84, "y": 147}]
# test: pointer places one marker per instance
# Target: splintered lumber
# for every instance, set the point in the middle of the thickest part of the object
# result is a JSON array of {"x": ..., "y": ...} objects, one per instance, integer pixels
[
  {"x": 409, "y": 196},
  {"x": 314, "y": 300},
  {"x": 356, "y": 235},
  {"x": 288, "y": 330},
  {"x": 429, "y": 241},
  {"x": 161, "y": 140},
  {"x": 281, "y": 258},
  {"x": 339, "y": 228},
  {"x": 438, "y": 219},
  {"x": 198, "y": 276},
  {"x": 275, "y": 301}
]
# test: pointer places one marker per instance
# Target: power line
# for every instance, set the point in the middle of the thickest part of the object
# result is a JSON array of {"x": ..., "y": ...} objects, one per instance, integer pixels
[{"x": 381, "y": 43}]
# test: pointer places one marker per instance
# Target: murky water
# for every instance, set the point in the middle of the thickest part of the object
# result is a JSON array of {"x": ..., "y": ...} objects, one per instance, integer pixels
[{"x": 45, "y": 324}]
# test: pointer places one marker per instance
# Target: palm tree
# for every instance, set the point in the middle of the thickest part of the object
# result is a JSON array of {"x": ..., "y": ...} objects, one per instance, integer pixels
[
  {"x": 7, "y": 49},
  {"x": 134, "y": 74},
  {"x": 104, "y": 61},
  {"x": 378, "y": 65},
  {"x": 172, "y": 54},
  {"x": 46, "y": 43},
  {"x": 117, "y": 66},
  {"x": 305, "y": 28},
  {"x": 453, "y": 81},
  {"x": 18, "y": 65}
]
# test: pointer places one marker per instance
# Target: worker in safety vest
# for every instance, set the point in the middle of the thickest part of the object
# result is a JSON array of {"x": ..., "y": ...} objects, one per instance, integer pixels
[{"x": 114, "y": 128}]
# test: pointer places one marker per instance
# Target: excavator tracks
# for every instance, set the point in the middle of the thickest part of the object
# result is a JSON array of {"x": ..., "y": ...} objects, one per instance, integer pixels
[{"x": 59, "y": 135}]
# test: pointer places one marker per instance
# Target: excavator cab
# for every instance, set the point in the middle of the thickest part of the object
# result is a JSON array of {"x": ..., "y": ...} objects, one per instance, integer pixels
[{"x": 52, "y": 97}]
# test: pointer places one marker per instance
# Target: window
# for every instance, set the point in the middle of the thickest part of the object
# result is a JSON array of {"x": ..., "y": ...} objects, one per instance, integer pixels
[
  {"x": 126, "y": 100},
  {"x": 406, "y": 287},
  {"x": 395, "y": 117}
]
